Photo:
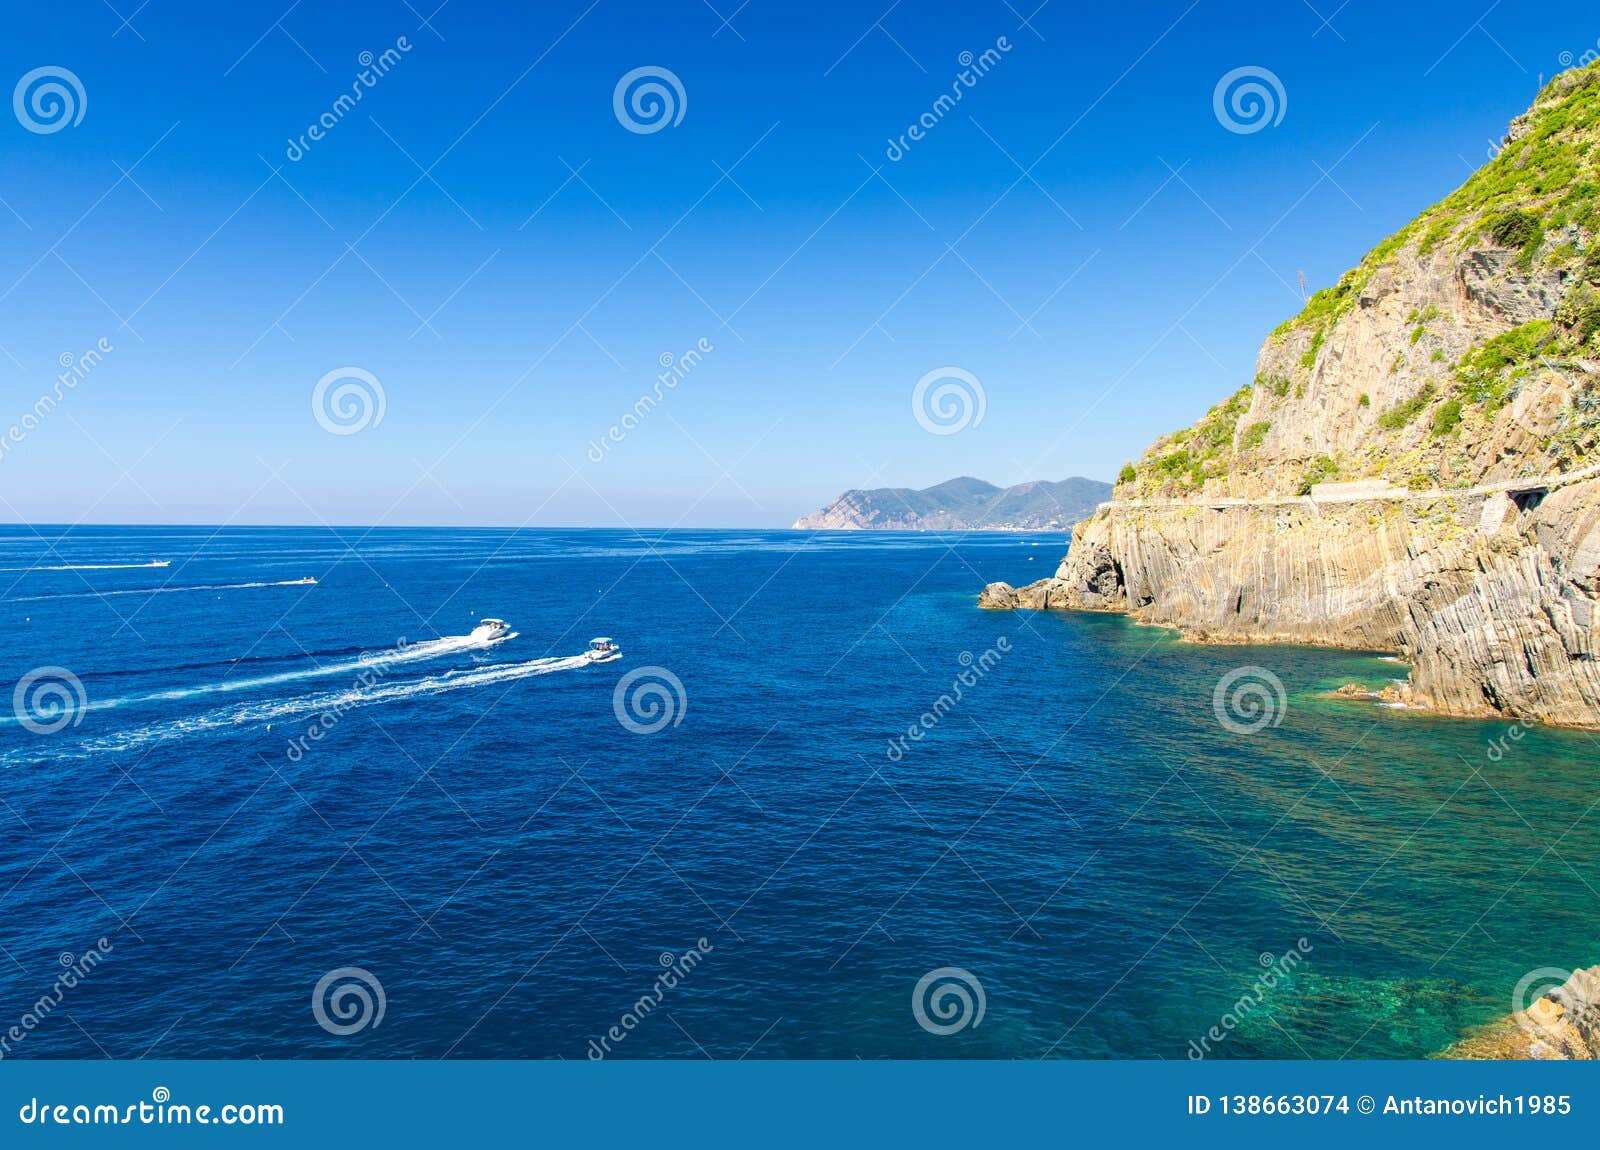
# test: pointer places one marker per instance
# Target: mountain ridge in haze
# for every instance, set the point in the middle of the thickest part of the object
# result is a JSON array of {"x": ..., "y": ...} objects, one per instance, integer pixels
[{"x": 961, "y": 504}]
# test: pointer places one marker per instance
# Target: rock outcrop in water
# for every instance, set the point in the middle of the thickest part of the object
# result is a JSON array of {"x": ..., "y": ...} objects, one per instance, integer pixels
[
  {"x": 961, "y": 505},
  {"x": 1414, "y": 466},
  {"x": 1560, "y": 1025}
]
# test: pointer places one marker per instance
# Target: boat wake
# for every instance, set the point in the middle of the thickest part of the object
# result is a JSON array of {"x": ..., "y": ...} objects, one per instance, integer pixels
[
  {"x": 95, "y": 566},
  {"x": 369, "y": 692},
  {"x": 373, "y": 663},
  {"x": 308, "y": 581}
]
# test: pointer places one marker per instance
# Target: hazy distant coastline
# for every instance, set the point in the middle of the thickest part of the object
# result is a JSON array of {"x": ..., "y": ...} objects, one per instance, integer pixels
[{"x": 963, "y": 504}]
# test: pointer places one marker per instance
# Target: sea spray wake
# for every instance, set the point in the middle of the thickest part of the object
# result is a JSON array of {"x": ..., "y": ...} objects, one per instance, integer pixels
[
  {"x": 263, "y": 712},
  {"x": 379, "y": 660},
  {"x": 92, "y": 566},
  {"x": 160, "y": 590},
  {"x": 215, "y": 862}
]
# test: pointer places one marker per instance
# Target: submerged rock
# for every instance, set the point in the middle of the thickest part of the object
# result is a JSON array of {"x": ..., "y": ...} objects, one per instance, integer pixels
[{"x": 1392, "y": 694}]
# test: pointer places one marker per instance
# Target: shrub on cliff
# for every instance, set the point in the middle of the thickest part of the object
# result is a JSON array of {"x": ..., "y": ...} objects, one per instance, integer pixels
[
  {"x": 1447, "y": 418},
  {"x": 1516, "y": 229},
  {"x": 1489, "y": 374},
  {"x": 1403, "y": 413},
  {"x": 1319, "y": 470}
]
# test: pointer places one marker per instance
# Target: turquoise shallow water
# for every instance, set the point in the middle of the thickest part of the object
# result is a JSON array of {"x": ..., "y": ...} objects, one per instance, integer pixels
[{"x": 478, "y": 830}]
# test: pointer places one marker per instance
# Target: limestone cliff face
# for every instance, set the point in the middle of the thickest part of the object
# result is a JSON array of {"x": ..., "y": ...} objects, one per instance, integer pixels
[
  {"x": 1414, "y": 467},
  {"x": 1491, "y": 596}
]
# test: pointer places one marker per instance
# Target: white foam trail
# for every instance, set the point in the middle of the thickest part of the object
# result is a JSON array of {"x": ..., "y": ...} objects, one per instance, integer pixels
[
  {"x": 337, "y": 702},
  {"x": 307, "y": 582},
  {"x": 377, "y": 661},
  {"x": 97, "y": 566},
  {"x": 412, "y": 653}
]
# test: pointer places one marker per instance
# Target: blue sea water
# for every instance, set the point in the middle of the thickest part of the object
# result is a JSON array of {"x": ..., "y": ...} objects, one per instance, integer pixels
[{"x": 239, "y": 803}]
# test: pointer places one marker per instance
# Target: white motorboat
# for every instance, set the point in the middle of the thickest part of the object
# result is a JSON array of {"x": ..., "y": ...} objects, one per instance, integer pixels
[
  {"x": 602, "y": 649},
  {"x": 490, "y": 631}
]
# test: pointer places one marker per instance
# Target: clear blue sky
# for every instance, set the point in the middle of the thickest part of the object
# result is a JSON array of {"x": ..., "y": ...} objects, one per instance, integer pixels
[{"x": 826, "y": 291}]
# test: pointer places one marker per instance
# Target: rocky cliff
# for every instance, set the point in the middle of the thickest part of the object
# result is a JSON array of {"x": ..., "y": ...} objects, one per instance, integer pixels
[
  {"x": 1413, "y": 466},
  {"x": 961, "y": 505}
]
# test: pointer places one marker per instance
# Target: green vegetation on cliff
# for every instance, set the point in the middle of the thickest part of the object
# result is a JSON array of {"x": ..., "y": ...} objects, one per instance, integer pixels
[
  {"x": 1488, "y": 373},
  {"x": 1403, "y": 413},
  {"x": 1545, "y": 177},
  {"x": 1492, "y": 291}
]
